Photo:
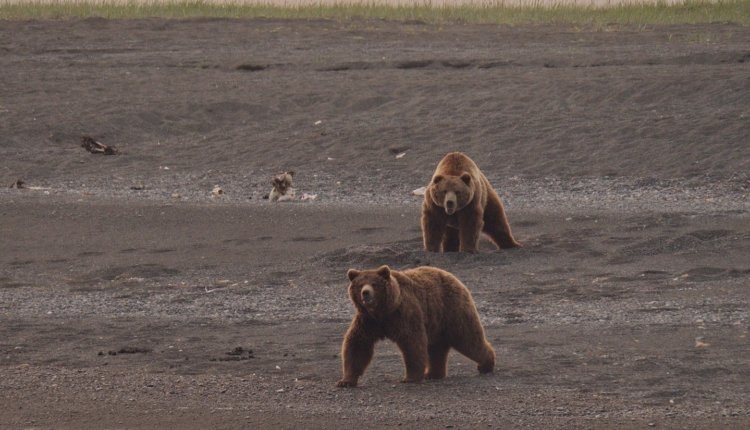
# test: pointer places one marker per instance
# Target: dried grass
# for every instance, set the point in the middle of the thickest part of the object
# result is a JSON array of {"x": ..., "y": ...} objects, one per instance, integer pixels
[{"x": 576, "y": 12}]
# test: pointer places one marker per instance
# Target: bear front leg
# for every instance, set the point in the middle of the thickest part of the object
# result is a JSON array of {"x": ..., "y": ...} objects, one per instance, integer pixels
[
  {"x": 451, "y": 240},
  {"x": 433, "y": 229},
  {"x": 470, "y": 224},
  {"x": 356, "y": 353},
  {"x": 413, "y": 345},
  {"x": 437, "y": 368}
]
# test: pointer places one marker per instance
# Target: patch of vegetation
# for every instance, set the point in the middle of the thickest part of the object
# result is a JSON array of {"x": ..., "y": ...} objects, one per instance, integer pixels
[{"x": 536, "y": 12}]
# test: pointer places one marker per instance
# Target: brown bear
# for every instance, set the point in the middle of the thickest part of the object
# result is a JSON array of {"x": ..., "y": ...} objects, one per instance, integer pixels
[
  {"x": 459, "y": 204},
  {"x": 425, "y": 311}
]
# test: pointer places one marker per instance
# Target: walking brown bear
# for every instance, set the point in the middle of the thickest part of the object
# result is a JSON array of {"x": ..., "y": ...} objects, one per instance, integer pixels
[{"x": 426, "y": 311}]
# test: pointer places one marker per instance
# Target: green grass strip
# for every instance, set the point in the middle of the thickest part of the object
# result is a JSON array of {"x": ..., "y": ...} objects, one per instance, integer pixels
[{"x": 687, "y": 12}]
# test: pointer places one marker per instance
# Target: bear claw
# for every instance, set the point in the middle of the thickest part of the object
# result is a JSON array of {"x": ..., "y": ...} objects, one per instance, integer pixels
[{"x": 346, "y": 384}]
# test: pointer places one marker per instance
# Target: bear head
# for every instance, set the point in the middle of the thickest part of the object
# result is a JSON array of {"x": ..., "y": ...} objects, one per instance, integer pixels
[
  {"x": 283, "y": 181},
  {"x": 450, "y": 192},
  {"x": 375, "y": 292}
]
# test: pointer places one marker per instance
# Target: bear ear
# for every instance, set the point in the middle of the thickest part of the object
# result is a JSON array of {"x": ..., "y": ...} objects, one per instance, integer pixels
[
  {"x": 352, "y": 273},
  {"x": 437, "y": 179},
  {"x": 466, "y": 178},
  {"x": 384, "y": 272}
]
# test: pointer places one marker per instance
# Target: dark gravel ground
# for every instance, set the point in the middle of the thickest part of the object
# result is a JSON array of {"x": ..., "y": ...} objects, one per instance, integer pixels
[{"x": 621, "y": 156}]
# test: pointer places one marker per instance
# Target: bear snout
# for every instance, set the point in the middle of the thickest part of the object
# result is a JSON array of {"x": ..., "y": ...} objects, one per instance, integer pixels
[
  {"x": 368, "y": 294},
  {"x": 450, "y": 203}
]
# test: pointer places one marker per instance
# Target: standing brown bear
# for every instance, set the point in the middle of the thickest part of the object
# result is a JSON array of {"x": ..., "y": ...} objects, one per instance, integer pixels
[
  {"x": 459, "y": 204},
  {"x": 425, "y": 311}
]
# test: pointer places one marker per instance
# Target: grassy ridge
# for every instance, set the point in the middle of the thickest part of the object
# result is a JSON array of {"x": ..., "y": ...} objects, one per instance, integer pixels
[{"x": 687, "y": 12}]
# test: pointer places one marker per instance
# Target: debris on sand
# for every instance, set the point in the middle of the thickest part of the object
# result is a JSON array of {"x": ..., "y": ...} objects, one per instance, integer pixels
[
  {"x": 95, "y": 147},
  {"x": 217, "y": 191},
  {"x": 419, "y": 191},
  {"x": 133, "y": 350},
  {"x": 699, "y": 343},
  {"x": 138, "y": 187},
  {"x": 18, "y": 184},
  {"x": 282, "y": 187},
  {"x": 400, "y": 155},
  {"x": 237, "y": 354},
  {"x": 127, "y": 350},
  {"x": 307, "y": 196}
]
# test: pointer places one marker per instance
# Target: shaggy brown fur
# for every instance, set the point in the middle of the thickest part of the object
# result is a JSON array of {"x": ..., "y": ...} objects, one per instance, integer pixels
[
  {"x": 425, "y": 311},
  {"x": 459, "y": 204}
]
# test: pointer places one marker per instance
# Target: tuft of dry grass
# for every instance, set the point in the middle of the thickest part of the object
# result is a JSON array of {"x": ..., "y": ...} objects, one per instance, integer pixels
[{"x": 577, "y": 12}]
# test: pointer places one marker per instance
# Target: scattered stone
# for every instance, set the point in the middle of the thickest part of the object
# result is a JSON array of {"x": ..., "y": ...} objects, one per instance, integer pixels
[
  {"x": 397, "y": 150},
  {"x": 18, "y": 184},
  {"x": 217, "y": 191},
  {"x": 237, "y": 354},
  {"x": 133, "y": 350}
]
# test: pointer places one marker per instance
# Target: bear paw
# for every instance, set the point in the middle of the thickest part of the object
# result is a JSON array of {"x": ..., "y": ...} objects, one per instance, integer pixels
[
  {"x": 435, "y": 375},
  {"x": 488, "y": 367},
  {"x": 346, "y": 384}
]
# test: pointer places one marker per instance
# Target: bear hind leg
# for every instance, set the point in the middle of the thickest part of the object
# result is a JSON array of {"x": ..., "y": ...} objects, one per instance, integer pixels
[
  {"x": 480, "y": 351},
  {"x": 496, "y": 226}
]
